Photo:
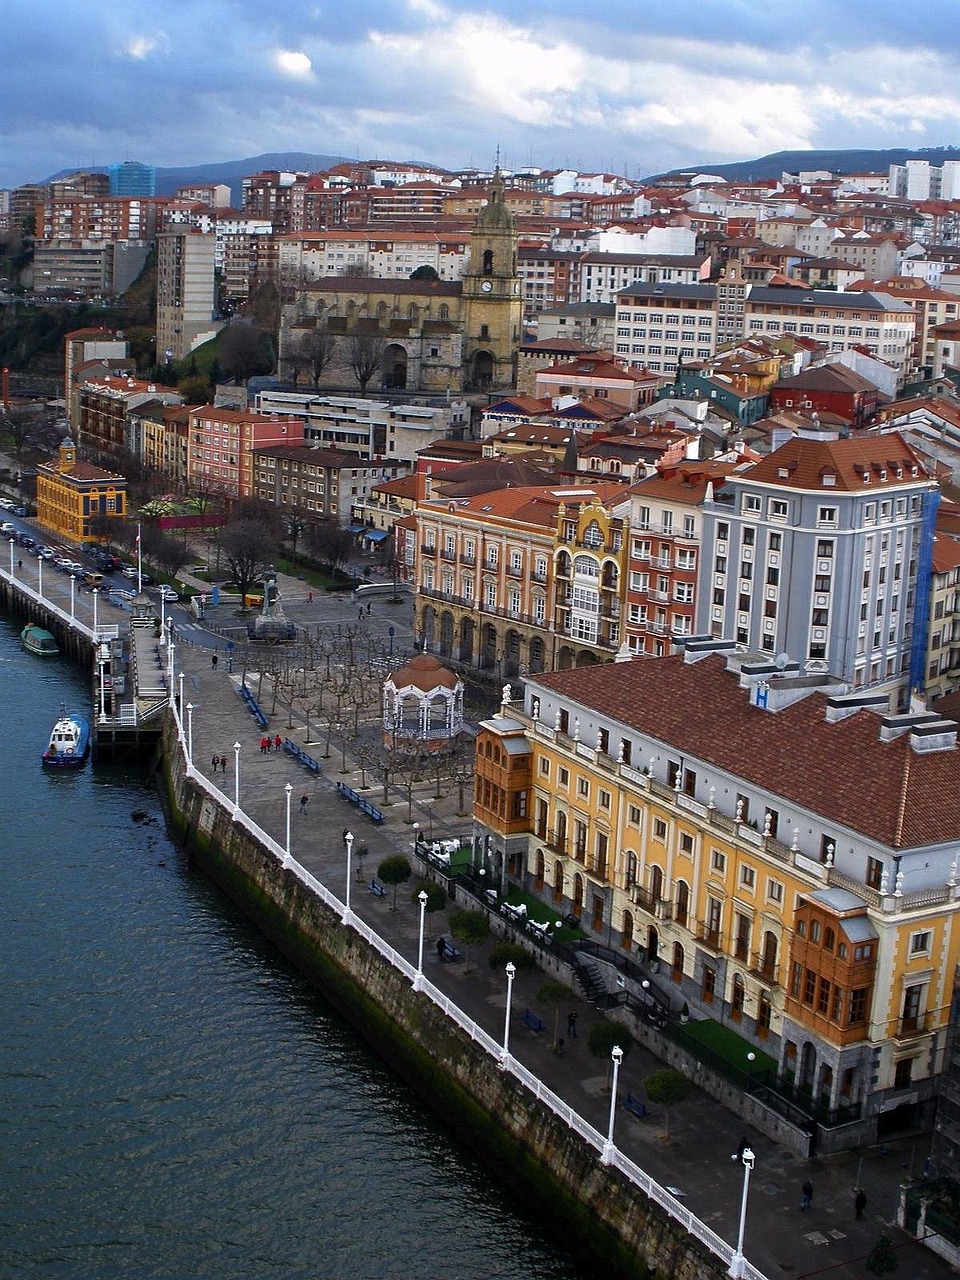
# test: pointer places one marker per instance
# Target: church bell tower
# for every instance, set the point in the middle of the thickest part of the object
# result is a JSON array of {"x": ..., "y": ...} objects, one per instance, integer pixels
[{"x": 492, "y": 307}]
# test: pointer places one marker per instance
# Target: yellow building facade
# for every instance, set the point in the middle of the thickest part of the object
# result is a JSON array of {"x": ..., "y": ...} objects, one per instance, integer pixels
[
  {"x": 777, "y": 857},
  {"x": 73, "y": 496}
]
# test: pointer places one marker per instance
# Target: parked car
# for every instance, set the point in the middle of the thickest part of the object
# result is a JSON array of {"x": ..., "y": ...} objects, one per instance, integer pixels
[
  {"x": 168, "y": 594},
  {"x": 19, "y": 511},
  {"x": 46, "y": 553},
  {"x": 129, "y": 571},
  {"x": 6, "y": 504},
  {"x": 63, "y": 562},
  {"x": 27, "y": 541},
  {"x": 8, "y": 527}
]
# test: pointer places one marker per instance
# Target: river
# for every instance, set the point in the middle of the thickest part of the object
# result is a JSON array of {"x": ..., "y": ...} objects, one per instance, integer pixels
[{"x": 175, "y": 1101}]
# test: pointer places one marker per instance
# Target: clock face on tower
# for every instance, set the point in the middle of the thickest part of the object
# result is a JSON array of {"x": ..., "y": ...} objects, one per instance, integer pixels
[{"x": 486, "y": 285}]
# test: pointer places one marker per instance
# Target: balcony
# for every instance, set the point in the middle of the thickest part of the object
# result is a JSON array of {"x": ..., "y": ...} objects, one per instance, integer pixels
[
  {"x": 916, "y": 1024},
  {"x": 709, "y": 935},
  {"x": 428, "y": 549},
  {"x": 741, "y": 950},
  {"x": 763, "y": 969},
  {"x": 645, "y": 900},
  {"x": 557, "y": 842}
]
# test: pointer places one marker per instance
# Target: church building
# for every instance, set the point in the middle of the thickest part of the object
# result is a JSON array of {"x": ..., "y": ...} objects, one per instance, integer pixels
[{"x": 421, "y": 334}]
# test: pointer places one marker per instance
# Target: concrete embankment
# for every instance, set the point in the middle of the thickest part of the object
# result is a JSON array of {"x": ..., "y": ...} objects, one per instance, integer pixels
[{"x": 558, "y": 1174}]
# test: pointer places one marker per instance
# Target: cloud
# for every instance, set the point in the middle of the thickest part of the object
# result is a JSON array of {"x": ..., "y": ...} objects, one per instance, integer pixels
[{"x": 639, "y": 87}]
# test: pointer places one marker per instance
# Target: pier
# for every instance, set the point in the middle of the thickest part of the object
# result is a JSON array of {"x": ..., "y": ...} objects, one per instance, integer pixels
[{"x": 129, "y": 660}]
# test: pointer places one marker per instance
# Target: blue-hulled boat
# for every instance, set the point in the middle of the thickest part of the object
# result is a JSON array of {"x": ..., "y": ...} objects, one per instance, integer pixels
[{"x": 69, "y": 742}]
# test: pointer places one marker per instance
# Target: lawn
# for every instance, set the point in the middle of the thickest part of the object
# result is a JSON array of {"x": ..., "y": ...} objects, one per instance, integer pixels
[
  {"x": 724, "y": 1043},
  {"x": 544, "y": 914}
]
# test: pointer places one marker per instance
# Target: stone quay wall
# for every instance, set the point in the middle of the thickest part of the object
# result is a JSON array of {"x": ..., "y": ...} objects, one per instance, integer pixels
[{"x": 558, "y": 1173}]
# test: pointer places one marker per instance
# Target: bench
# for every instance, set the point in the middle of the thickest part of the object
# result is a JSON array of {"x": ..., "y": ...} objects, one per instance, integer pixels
[
  {"x": 638, "y": 1108},
  {"x": 532, "y": 1021},
  {"x": 364, "y": 805},
  {"x": 377, "y": 889},
  {"x": 447, "y": 951},
  {"x": 290, "y": 746}
]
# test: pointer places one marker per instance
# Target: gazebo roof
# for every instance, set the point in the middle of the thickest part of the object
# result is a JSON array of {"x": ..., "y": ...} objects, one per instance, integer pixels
[{"x": 424, "y": 673}]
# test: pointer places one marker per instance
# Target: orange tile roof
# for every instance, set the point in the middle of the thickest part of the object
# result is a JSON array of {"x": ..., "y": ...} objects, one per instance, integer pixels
[
  {"x": 806, "y": 463},
  {"x": 841, "y": 771}
]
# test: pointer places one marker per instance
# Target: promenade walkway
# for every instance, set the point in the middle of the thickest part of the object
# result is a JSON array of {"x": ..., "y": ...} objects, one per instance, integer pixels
[{"x": 703, "y": 1135}]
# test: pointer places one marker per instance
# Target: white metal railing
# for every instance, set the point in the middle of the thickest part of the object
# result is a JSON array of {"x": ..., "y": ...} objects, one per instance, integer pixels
[
  {"x": 562, "y": 1109},
  {"x": 74, "y": 623}
]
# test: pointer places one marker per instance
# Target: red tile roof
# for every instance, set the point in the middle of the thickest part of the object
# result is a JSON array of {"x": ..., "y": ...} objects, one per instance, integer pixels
[
  {"x": 807, "y": 464},
  {"x": 841, "y": 771}
]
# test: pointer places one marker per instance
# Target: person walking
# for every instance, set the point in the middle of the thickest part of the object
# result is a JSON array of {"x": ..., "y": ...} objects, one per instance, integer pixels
[
  {"x": 441, "y": 947},
  {"x": 214, "y": 660},
  {"x": 215, "y": 763},
  {"x": 859, "y": 1203},
  {"x": 223, "y": 762},
  {"x": 277, "y": 742},
  {"x": 806, "y": 1196},
  {"x": 304, "y": 800},
  {"x": 572, "y": 1024},
  {"x": 309, "y": 597}
]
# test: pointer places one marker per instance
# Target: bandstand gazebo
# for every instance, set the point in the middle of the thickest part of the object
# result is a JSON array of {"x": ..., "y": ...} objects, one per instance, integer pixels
[{"x": 422, "y": 706}]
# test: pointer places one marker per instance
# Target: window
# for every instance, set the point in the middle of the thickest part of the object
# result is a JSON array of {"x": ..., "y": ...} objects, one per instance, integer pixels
[
  {"x": 748, "y": 877},
  {"x": 774, "y": 891},
  {"x": 686, "y": 843},
  {"x": 583, "y": 788},
  {"x": 718, "y": 861},
  {"x": 920, "y": 943},
  {"x": 563, "y": 777},
  {"x": 603, "y": 799},
  {"x": 659, "y": 829},
  {"x": 709, "y": 984},
  {"x": 858, "y": 1006},
  {"x": 903, "y": 1073},
  {"x": 874, "y": 872}
]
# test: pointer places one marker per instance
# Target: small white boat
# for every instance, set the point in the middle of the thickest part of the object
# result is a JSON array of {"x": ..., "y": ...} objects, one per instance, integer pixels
[
  {"x": 36, "y": 640},
  {"x": 69, "y": 742}
]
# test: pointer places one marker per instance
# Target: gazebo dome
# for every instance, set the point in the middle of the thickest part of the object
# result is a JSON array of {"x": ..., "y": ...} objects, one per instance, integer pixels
[{"x": 422, "y": 706}]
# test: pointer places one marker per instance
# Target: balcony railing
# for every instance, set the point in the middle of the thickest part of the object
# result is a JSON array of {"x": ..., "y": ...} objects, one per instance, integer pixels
[
  {"x": 741, "y": 950},
  {"x": 914, "y": 1025},
  {"x": 709, "y": 935},
  {"x": 763, "y": 969}
]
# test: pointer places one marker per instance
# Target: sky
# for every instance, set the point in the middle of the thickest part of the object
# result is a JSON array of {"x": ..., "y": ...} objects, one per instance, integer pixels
[{"x": 628, "y": 86}]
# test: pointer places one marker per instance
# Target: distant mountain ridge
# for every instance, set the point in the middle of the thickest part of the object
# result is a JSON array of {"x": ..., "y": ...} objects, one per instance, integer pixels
[{"x": 771, "y": 166}]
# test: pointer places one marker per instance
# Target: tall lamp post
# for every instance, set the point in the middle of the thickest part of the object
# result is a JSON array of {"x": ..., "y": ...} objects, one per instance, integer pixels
[
  {"x": 96, "y": 597},
  {"x": 348, "y": 845},
  {"x": 11, "y": 557},
  {"x": 289, "y": 790},
  {"x": 616, "y": 1053},
  {"x": 236, "y": 776},
  {"x": 73, "y": 587},
  {"x": 418, "y": 980},
  {"x": 748, "y": 1159},
  {"x": 40, "y": 576},
  {"x": 180, "y": 679},
  {"x": 189, "y": 732},
  {"x": 511, "y": 971}
]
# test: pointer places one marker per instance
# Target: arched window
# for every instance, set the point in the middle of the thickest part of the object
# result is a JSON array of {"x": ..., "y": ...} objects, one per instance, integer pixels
[
  {"x": 381, "y": 311},
  {"x": 738, "y": 997},
  {"x": 631, "y": 868},
  {"x": 412, "y": 311},
  {"x": 626, "y": 939},
  {"x": 488, "y": 262},
  {"x": 676, "y": 968},
  {"x": 768, "y": 960},
  {"x": 444, "y": 312},
  {"x": 557, "y": 881},
  {"x": 578, "y": 894},
  {"x": 683, "y": 903},
  {"x": 593, "y": 534},
  {"x": 539, "y": 873},
  {"x": 656, "y": 884}
]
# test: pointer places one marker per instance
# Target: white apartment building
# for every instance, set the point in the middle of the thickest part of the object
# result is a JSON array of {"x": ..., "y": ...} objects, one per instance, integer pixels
[
  {"x": 921, "y": 180},
  {"x": 185, "y": 290},
  {"x": 311, "y": 255}
]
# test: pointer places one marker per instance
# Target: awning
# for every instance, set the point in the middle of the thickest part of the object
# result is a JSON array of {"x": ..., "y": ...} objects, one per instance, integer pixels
[
  {"x": 376, "y": 535},
  {"x": 357, "y": 528}
]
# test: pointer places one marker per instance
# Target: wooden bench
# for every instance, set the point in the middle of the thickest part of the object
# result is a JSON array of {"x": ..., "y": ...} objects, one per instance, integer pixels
[
  {"x": 533, "y": 1022},
  {"x": 448, "y": 952},
  {"x": 633, "y": 1104},
  {"x": 377, "y": 889}
]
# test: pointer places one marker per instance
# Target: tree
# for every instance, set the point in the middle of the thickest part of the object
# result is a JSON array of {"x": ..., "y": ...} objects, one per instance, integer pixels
[
  {"x": 296, "y": 357},
  {"x": 471, "y": 928},
  {"x": 246, "y": 548},
  {"x": 604, "y": 1037},
  {"x": 424, "y": 272},
  {"x": 332, "y": 544},
  {"x": 364, "y": 357},
  {"x": 163, "y": 549},
  {"x": 395, "y": 870},
  {"x": 555, "y": 993},
  {"x": 30, "y": 429},
  {"x": 355, "y": 271},
  {"x": 882, "y": 1258},
  {"x": 318, "y": 345},
  {"x": 436, "y": 900},
  {"x": 194, "y": 389},
  {"x": 505, "y": 953},
  {"x": 245, "y": 351},
  {"x": 666, "y": 1088}
]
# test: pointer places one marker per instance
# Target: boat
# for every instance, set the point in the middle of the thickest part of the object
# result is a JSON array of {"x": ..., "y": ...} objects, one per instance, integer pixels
[
  {"x": 35, "y": 640},
  {"x": 69, "y": 741}
]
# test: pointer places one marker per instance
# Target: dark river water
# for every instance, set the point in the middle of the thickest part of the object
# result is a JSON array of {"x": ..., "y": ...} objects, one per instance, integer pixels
[{"x": 174, "y": 1100}]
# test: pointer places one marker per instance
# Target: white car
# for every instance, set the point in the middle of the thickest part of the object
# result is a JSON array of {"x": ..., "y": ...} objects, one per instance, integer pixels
[
  {"x": 8, "y": 527},
  {"x": 129, "y": 571},
  {"x": 45, "y": 553},
  {"x": 63, "y": 563},
  {"x": 168, "y": 594}
]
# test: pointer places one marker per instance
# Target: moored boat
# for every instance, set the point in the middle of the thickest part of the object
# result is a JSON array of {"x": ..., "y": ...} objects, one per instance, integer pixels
[
  {"x": 69, "y": 741},
  {"x": 36, "y": 640}
]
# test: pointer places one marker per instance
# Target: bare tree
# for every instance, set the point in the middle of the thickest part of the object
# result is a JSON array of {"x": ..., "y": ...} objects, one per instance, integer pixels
[
  {"x": 319, "y": 345},
  {"x": 364, "y": 357},
  {"x": 332, "y": 543},
  {"x": 30, "y": 428},
  {"x": 247, "y": 550}
]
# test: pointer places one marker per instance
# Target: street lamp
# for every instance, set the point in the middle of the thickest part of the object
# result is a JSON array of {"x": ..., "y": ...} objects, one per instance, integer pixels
[
  {"x": 236, "y": 776},
  {"x": 189, "y": 731},
  {"x": 751, "y": 1059},
  {"x": 11, "y": 557},
  {"x": 180, "y": 678},
  {"x": 170, "y": 653},
  {"x": 416, "y": 837},
  {"x": 616, "y": 1053},
  {"x": 348, "y": 844},
  {"x": 289, "y": 790},
  {"x": 511, "y": 972},
  {"x": 163, "y": 619},
  {"x": 748, "y": 1159},
  {"x": 96, "y": 596},
  {"x": 40, "y": 576},
  {"x": 73, "y": 587},
  {"x": 418, "y": 980}
]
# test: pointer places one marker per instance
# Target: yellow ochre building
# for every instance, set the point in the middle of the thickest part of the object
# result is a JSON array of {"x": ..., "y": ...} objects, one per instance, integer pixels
[{"x": 72, "y": 496}]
